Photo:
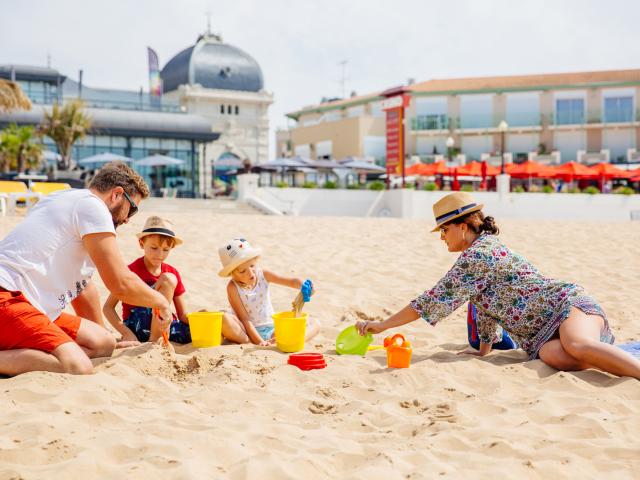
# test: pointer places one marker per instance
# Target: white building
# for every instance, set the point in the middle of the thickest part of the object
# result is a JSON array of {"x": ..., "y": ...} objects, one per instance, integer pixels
[{"x": 223, "y": 84}]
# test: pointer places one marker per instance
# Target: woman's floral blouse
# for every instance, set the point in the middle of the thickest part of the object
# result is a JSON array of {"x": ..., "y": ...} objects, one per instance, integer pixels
[{"x": 508, "y": 292}]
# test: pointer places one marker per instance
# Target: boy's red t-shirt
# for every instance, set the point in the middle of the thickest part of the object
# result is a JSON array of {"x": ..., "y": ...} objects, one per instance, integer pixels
[{"x": 139, "y": 268}]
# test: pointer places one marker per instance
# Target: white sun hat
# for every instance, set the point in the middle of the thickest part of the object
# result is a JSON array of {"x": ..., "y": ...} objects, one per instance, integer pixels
[{"x": 234, "y": 253}]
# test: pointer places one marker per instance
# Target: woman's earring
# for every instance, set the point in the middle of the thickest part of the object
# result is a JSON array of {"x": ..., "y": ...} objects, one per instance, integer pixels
[{"x": 464, "y": 236}]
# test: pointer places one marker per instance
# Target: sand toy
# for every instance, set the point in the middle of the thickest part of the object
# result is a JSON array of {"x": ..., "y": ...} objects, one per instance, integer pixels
[
  {"x": 398, "y": 351},
  {"x": 206, "y": 329},
  {"x": 307, "y": 361}
]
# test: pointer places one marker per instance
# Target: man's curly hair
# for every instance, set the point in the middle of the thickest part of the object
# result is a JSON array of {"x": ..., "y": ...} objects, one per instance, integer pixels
[{"x": 118, "y": 174}]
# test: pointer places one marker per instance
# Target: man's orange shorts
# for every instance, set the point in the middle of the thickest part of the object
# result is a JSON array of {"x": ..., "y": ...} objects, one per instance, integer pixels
[{"x": 24, "y": 326}]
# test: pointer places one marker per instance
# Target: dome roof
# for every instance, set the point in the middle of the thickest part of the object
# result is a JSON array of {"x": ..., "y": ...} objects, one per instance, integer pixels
[{"x": 212, "y": 64}]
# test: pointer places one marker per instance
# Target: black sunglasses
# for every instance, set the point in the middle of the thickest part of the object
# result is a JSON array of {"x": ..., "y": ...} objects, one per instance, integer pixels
[{"x": 133, "y": 208}]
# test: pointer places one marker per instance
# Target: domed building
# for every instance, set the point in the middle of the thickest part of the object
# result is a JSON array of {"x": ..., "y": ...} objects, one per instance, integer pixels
[{"x": 224, "y": 84}]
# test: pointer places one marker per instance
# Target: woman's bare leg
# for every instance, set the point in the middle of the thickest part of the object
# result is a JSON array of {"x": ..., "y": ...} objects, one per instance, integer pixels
[{"x": 580, "y": 339}]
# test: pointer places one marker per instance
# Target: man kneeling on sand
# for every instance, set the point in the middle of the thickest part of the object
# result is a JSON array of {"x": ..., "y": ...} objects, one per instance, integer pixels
[{"x": 47, "y": 262}]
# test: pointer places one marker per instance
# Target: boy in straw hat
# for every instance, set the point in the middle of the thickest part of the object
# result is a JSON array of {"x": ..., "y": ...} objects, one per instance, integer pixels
[{"x": 156, "y": 239}]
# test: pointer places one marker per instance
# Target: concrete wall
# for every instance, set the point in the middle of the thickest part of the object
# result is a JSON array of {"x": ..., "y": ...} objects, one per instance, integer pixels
[
  {"x": 418, "y": 204},
  {"x": 346, "y": 134}
]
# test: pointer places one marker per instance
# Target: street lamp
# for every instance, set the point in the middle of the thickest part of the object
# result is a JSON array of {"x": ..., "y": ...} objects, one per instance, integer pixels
[
  {"x": 503, "y": 127},
  {"x": 450, "y": 143}
]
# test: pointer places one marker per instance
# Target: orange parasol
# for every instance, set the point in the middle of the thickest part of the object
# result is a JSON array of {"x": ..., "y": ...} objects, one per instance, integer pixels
[
  {"x": 608, "y": 171},
  {"x": 474, "y": 169},
  {"x": 428, "y": 169},
  {"x": 528, "y": 169},
  {"x": 571, "y": 171}
]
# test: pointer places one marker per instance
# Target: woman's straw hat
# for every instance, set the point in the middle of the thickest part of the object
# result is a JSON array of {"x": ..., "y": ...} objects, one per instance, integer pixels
[
  {"x": 453, "y": 206},
  {"x": 158, "y": 226},
  {"x": 235, "y": 253}
]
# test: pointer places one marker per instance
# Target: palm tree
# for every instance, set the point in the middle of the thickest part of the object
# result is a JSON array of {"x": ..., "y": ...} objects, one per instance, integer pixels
[
  {"x": 12, "y": 97},
  {"x": 18, "y": 150},
  {"x": 65, "y": 125}
]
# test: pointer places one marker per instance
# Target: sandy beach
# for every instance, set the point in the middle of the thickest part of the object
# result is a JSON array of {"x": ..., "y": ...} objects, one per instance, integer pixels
[{"x": 242, "y": 412}]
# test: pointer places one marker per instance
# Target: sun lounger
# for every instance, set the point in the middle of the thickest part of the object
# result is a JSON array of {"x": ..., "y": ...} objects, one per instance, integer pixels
[
  {"x": 15, "y": 192},
  {"x": 45, "y": 188}
]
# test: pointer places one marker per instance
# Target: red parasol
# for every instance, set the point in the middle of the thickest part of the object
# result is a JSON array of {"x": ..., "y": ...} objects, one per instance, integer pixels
[{"x": 572, "y": 171}]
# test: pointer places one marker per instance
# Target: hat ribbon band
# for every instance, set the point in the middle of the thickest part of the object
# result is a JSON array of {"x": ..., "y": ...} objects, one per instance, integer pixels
[
  {"x": 164, "y": 231},
  {"x": 453, "y": 213}
]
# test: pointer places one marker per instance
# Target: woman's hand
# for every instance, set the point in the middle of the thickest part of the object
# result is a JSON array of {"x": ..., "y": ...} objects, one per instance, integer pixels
[{"x": 368, "y": 326}]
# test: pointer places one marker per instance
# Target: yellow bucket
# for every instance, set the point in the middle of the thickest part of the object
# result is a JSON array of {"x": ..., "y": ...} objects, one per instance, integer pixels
[
  {"x": 290, "y": 331},
  {"x": 206, "y": 329}
]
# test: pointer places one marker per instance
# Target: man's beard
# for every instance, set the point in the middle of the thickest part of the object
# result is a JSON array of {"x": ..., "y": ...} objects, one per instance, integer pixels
[{"x": 115, "y": 211}]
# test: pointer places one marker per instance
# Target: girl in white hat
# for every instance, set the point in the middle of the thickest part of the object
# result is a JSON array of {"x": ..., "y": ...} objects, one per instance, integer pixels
[{"x": 249, "y": 295}]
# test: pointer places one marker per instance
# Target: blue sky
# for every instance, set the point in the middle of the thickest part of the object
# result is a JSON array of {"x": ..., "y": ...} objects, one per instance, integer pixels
[{"x": 299, "y": 44}]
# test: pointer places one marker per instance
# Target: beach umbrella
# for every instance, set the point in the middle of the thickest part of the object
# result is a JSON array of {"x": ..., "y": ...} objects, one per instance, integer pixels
[
  {"x": 571, "y": 171},
  {"x": 285, "y": 163},
  {"x": 323, "y": 164},
  {"x": 363, "y": 165},
  {"x": 229, "y": 162},
  {"x": 529, "y": 170},
  {"x": 159, "y": 161},
  {"x": 105, "y": 157},
  {"x": 417, "y": 169},
  {"x": 476, "y": 169},
  {"x": 51, "y": 157},
  {"x": 608, "y": 171},
  {"x": 605, "y": 171}
]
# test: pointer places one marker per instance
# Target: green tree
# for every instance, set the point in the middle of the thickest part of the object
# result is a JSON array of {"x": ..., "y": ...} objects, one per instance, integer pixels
[
  {"x": 18, "y": 148},
  {"x": 65, "y": 125}
]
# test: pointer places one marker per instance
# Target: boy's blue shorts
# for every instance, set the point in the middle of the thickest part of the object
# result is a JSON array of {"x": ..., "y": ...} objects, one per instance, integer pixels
[
  {"x": 507, "y": 343},
  {"x": 139, "y": 322}
]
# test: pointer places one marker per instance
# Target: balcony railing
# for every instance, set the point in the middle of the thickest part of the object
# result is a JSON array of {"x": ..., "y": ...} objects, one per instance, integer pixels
[
  {"x": 144, "y": 104},
  {"x": 591, "y": 117},
  {"x": 430, "y": 122},
  {"x": 480, "y": 121}
]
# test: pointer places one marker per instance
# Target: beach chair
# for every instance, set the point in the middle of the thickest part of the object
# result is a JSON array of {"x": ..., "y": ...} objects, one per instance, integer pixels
[
  {"x": 15, "y": 192},
  {"x": 45, "y": 188}
]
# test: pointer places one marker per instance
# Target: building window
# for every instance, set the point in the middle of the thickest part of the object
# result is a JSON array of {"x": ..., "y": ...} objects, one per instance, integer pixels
[
  {"x": 229, "y": 109},
  {"x": 618, "y": 109},
  {"x": 237, "y": 110},
  {"x": 222, "y": 109},
  {"x": 570, "y": 111}
]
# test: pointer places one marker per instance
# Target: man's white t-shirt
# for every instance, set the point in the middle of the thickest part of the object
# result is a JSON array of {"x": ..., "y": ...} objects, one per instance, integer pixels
[{"x": 44, "y": 257}]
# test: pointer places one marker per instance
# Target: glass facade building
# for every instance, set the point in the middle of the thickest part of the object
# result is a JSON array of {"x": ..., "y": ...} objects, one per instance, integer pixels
[{"x": 127, "y": 123}]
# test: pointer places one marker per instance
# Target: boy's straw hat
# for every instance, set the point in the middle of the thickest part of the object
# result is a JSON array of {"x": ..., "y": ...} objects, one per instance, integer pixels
[
  {"x": 235, "y": 253},
  {"x": 453, "y": 206},
  {"x": 158, "y": 226}
]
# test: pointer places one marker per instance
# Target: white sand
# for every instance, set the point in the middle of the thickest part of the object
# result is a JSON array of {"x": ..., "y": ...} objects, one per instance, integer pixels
[{"x": 241, "y": 412}]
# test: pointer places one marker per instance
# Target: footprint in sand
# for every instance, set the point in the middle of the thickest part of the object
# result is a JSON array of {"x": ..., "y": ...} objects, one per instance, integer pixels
[
  {"x": 321, "y": 409},
  {"x": 441, "y": 412}
]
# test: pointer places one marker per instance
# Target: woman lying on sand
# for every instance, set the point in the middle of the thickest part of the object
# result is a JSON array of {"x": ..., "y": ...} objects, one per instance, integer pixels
[{"x": 550, "y": 319}]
